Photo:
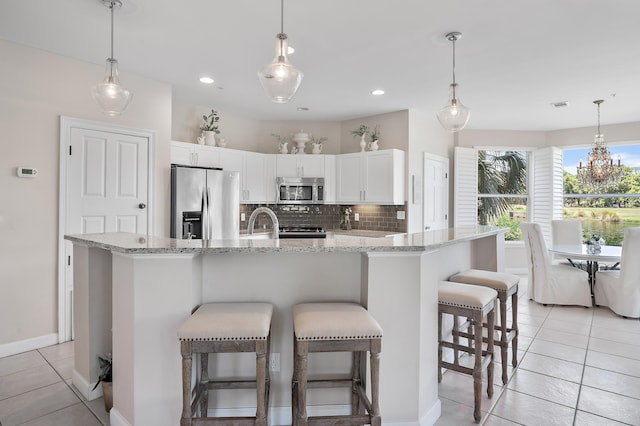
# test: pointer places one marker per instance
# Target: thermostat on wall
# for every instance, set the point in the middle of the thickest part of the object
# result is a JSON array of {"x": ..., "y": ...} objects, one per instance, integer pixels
[{"x": 27, "y": 172}]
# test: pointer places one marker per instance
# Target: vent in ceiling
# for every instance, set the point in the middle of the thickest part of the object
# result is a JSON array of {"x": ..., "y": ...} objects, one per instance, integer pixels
[{"x": 562, "y": 104}]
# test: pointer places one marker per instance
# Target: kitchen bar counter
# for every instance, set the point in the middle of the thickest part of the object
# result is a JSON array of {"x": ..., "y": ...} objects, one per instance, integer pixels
[
  {"x": 336, "y": 241},
  {"x": 132, "y": 293}
]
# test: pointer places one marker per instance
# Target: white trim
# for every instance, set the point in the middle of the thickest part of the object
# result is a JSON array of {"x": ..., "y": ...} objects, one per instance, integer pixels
[
  {"x": 26, "y": 345},
  {"x": 431, "y": 417},
  {"x": 155, "y": 256},
  {"x": 66, "y": 124},
  {"x": 116, "y": 419},
  {"x": 84, "y": 387}
]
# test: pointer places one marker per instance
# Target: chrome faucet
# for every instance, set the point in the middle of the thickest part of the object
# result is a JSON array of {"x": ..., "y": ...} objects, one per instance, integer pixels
[{"x": 271, "y": 214}]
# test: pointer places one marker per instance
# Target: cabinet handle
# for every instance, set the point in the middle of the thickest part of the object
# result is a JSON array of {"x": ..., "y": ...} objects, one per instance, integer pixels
[{"x": 364, "y": 195}]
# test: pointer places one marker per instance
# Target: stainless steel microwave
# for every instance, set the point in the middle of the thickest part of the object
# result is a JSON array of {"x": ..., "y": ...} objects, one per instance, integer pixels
[{"x": 300, "y": 190}]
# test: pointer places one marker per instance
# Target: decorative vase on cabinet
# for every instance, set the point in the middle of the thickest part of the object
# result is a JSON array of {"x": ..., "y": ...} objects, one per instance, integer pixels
[
  {"x": 301, "y": 139},
  {"x": 373, "y": 145},
  {"x": 284, "y": 147},
  {"x": 363, "y": 142},
  {"x": 316, "y": 148},
  {"x": 209, "y": 137}
]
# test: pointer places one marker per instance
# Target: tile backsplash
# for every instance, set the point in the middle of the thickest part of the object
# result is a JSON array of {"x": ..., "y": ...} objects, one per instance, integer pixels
[{"x": 372, "y": 218}]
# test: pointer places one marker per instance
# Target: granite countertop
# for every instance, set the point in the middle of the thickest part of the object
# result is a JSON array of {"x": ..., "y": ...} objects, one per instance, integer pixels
[{"x": 343, "y": 241}]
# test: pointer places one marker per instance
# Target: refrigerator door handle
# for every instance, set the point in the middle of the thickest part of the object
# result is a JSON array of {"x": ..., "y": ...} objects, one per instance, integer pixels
[
  {"x": 209, "y": 216},
  {"x": 204, "y": 216}
]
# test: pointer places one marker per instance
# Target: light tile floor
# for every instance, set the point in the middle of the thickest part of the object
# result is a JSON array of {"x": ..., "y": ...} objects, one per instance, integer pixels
[{"x": 576, "y": 366}]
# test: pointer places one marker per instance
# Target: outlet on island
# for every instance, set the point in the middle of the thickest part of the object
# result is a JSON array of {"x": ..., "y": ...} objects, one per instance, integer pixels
[{"x": 356, "y": 217}]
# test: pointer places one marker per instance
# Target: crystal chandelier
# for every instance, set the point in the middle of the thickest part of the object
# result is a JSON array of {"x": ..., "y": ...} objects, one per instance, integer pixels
[
  {"x": 599, "y": 173},
  {"x": 453, "y": 116},
  {"x": 280, "y": 79},
  {"x": 110, "y": 95}
]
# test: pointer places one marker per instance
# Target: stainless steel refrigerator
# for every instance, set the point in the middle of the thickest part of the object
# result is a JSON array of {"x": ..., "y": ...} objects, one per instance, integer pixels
[{"x": 205, "y": 203}]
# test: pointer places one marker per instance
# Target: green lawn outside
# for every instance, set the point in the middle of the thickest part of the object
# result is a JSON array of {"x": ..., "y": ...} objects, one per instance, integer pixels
[{"x": 631, "y": 215}]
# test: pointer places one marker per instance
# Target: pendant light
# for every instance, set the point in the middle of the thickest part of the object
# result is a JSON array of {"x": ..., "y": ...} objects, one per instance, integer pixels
[
  {"x": 280, "y": 79},
  {"x": 600, "y": 172},
  {"x": 453, "y": 116},
  {"x": 112, "y": 98}
]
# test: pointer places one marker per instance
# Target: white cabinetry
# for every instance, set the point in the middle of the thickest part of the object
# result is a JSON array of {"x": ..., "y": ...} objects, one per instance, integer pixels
[
  {"x": 191, "y": 154},
  {"x": 257, "y": 174},
  {"x": 375, "y": 177},
  {"x": 288, "y": 165}
]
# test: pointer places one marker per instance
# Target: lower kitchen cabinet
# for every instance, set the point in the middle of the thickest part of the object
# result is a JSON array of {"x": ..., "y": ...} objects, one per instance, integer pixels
[{"x": 374, "y": 177}]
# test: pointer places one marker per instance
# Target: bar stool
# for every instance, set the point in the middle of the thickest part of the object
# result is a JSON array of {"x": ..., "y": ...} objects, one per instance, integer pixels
[
  {"x": 507, "y": 286},
  {"x": 336, "y": 327},
  {"x": 225, "y": 328},
  {"x": 474, "y": 303}
]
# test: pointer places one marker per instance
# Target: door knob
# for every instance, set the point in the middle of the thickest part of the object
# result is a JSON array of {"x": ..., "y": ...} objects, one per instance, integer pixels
[{"x": 142, "y": 205}]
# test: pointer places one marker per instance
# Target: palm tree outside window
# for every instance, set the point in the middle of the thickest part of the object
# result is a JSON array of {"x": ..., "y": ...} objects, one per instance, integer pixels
[{"x": 502, "y": 190}]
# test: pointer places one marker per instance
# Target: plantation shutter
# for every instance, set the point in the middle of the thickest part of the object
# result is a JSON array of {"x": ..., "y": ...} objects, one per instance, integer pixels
[
  {"x": 465, "y": 187},
  {"x": 547, "y": 188}
]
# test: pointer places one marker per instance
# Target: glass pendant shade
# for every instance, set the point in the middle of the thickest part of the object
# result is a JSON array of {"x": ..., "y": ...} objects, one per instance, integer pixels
[
  {"x": 280, "y": 79},
  {"x": 112, "y": 98},
  {"x": 454, "y": 115}
]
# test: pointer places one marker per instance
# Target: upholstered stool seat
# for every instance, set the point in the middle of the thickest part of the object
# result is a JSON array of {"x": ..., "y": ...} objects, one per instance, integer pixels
[
  {"x": 225, "y": 328},
  {"x": 473, "y": 302},
  {"x": 507, "y": 286},
  {"x": 336, "y": 327}
]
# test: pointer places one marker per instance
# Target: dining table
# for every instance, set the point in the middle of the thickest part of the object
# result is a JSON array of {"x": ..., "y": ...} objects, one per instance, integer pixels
[{"x": 593, "y": 257}]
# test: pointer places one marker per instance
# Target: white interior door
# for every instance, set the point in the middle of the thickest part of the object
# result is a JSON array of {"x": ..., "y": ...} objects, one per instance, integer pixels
[
  {"x": 436, "y": 192},
  {"x": 106, "y": 188},
  {"x": 107, "y": 182}
]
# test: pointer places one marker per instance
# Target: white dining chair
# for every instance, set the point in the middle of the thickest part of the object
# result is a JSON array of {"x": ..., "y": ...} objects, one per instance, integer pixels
[
  {"x": 567, "y": 232},
  {"x": 619, "y": 290},
  {"x": 549, "y": 283}
]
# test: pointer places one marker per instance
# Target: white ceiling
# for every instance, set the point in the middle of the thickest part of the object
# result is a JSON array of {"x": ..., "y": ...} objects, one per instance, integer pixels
[{"x": 515, "y": 57}]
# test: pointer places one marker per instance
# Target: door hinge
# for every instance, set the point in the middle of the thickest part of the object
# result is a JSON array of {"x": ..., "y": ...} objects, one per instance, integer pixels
[{"x": 69, "y": 149}]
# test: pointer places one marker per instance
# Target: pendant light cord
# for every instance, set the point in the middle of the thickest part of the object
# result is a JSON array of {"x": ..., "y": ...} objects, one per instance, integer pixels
[
  {"x": 282, "y": 16},
  {"x": 599, "y": 118},
  {"x": 111, "y": 8}
]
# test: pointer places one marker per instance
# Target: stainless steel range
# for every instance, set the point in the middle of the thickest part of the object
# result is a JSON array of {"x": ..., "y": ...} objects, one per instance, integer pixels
[{"x": 302, "y": 232}]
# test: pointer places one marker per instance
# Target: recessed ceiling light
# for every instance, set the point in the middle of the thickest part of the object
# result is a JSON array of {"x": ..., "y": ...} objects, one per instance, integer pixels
[
  {"x": 377, "y": 92},
  {"x": 290, "y": 50},
  {"x": 302, "y": 109},
  {"x": 206, "y": 80}
]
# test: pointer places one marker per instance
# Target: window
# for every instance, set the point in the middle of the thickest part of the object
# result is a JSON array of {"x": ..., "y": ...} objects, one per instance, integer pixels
[
  {"x": 502, "y": 190},
  {"x": 609, "y": 211}
]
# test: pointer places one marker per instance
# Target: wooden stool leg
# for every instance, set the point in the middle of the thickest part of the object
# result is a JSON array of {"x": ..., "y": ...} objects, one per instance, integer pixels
[
  {"x": 261, "y": 381},
  {"x": 294, "y": 385},
  {"x": 514, "y": 326},
  {"x": 355, "y": 382},
  {"x": 503, "y": 336},
  {"x": 204, "y": 384},
  {"x": 490, "y": 350},
  {"x": 301, "y": 362},
  {"x": 456, "y": 338},
  {"x": 376, "y": 344},
  {"x": 185, "y": 349},
  {"x": 439, "y": 346},
  {"x": 477, "y": 368},
  {"x": 268, "y": 376}
]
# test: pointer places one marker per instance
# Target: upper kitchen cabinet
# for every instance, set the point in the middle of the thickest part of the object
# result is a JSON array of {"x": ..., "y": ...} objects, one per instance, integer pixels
[
  {"x": 257, "y": 174},
  {"x": 288, "y": 165},
  {"x": 375, "y": 177},
  {"x": 191, "y": 154}
]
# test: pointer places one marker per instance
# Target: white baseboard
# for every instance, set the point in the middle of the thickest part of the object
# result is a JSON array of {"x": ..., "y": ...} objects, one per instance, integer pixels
[
  {"x": 84, "y": 387},
  {"x": 280, "y": 415},
  {"x": 13, "y": 348},
  {"x": 116, "y": 419}
]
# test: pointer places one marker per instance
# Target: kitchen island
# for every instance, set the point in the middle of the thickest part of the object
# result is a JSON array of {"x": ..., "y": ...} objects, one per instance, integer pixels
[{"x": 132, "y": 292}]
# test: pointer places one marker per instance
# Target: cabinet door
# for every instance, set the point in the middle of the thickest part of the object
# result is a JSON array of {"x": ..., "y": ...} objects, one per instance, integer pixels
[
  {"x": 207, "y": 156},
  {"x": 311, "y": 165},
  {"x": 256, "y": 183},
  {"x": 287, "y": 165},
  {"x": 182, "y": 153},
  {"x": 378, "y": 173},
  {"x": 349, "y": 179},
  {"x": 233, "y": 160}
]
